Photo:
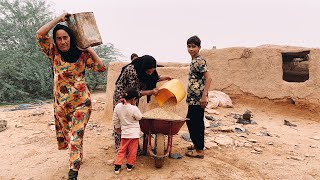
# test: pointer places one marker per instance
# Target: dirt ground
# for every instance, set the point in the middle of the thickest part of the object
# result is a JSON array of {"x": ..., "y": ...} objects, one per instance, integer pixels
[{"x": 267, "y": 150}]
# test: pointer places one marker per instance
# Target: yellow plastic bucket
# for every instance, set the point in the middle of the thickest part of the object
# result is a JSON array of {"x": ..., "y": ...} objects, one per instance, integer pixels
[{"x": 171, "y": 89}]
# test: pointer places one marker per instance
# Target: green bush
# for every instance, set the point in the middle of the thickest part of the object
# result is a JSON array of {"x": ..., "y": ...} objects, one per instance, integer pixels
[
  {"x": 25, "y": 72},
  {"x": 96, "y": 80}
]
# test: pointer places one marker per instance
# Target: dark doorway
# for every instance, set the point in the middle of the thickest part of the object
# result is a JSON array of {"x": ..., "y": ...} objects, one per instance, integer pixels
[{"x": 295, "y": 66}]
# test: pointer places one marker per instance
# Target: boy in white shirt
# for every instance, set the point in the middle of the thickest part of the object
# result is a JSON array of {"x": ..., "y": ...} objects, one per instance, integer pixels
[{"x": 126, "y": 118}]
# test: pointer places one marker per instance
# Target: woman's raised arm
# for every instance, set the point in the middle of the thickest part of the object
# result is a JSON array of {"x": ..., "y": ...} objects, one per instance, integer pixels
[{"x": 47, "y": 27}]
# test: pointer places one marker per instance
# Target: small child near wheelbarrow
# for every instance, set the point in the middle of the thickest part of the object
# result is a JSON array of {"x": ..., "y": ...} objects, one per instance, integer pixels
[{"x": 126, "y": 118}]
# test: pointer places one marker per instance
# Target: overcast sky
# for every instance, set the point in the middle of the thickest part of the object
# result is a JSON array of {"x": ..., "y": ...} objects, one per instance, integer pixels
[{"x": 161, "y": 27}]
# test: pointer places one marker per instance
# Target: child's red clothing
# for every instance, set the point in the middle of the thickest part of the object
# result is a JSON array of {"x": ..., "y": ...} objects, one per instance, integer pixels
[{"x": 127, "y": 144}]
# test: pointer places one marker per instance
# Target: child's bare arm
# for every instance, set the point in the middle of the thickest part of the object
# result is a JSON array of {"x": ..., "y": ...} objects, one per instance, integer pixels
[{"x": 203, "y": 101}]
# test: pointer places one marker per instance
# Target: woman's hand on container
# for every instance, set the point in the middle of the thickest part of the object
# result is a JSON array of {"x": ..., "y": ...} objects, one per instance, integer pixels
[
  {"x": 155, "y": 91},
  {"x": 64, "y": 17},
  {"x": 90, "y": 50}
]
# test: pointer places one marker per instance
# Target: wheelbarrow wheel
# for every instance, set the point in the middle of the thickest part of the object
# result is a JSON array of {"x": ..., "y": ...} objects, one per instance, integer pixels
[{"x": 159, "y": 149}]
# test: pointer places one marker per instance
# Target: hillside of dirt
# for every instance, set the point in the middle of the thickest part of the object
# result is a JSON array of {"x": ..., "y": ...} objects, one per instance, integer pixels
[{"x": 268, "y": 149}]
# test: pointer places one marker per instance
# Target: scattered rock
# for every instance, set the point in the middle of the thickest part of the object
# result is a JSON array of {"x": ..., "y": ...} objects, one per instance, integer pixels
[
  {"x": 270, "y": 143},
  {"x": 252, "y": 140},
  {"x": 308, "y": 177},
  {"x": 238, "y": 143},
  {"x": 186, "y": 137},
  {"x": 257, "y": 149},
  {"x": 38, "y": 112},
  {"x": 266, "y": 133},
  {"x": 313, "y": 146},
  {"x": 245, "y": 121},
  {"x": 246, "y": 144},
  {"x": 246, "y": 115},
  {"x": 225, "y": 129},
  {"x": 51, "y": 122},
  {"x": 212, "y": 111},
  {"x": 241, "y": 135},
  {"x": 211, "y": 118},
  {"x": 206, "y": 123},
  {"x": 296, "y": 158},
  {"x": 110, "y": 162},
  {"x": 37, "y": 132},
  {"x": 52, "y": 127},
  {"x": 236, "y": 115},
  {"x": 18, "y": 125},
  {"x": 3, "y": 125},
  {"x": 240, "y": 129},
  {"x": 213, "y": 125},
  {"x": 22, "y": 107},
  {"x": 175, "y": 156},
  {"x": 105, "y": 148},
  {"x": 224, "y": 140},
  {"x": 315, "y": 138},
  {"x": 256, "y": 152},
  {"x": 211, "y": 145},
  {"x": 209, "y": 139},
  {"x": 89, "y": 126},
  {"x": 308, "y": 155},
  {"x": 288, "y": 123}
]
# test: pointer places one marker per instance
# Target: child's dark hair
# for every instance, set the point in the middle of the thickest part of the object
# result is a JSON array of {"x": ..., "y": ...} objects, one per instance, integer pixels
[
  {"x": 131, "y": 93},
  {"x": 133, "y": 55},
  {"x": 194, "y": 40}
]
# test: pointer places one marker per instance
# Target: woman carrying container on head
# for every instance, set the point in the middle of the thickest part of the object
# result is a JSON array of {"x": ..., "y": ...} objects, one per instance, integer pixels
[
  {"x": 140, "y": 74},
  {"x": 72, "y": 102}
]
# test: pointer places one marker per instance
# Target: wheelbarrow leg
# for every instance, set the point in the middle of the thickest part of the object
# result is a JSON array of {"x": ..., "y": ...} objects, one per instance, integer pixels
[
  {"x": 145, "y": 144},
  {"x": 170, "y": 136}
]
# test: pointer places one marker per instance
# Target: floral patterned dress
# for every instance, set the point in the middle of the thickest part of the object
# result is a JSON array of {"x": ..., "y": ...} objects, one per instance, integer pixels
[
  {"x": 128, "y": 79},
  {"x": 72, "y": 102}
]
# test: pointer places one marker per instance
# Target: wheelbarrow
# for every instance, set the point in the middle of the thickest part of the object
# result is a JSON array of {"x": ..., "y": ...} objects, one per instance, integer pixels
[{"x": 159, "y": 127}]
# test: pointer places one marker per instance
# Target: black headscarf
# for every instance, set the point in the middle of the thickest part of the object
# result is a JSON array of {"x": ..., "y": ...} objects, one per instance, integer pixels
[
  {"x": 73, "y": 54},
  {"x": 141, "y": 64}
]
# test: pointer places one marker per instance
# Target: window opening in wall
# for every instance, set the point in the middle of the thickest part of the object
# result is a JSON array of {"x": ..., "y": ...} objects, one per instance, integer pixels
[{"x": 295, "y": 66}]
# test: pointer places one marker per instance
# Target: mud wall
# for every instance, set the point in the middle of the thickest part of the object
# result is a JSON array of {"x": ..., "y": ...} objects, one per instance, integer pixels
[
  {"x": 240, "y": 71},
  {"x": 175, "y": 70},
  {"x": 258, "y": 72}
]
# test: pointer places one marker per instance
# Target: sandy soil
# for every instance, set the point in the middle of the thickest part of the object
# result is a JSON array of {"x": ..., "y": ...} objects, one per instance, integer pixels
[{"x": 29, "y": 150}]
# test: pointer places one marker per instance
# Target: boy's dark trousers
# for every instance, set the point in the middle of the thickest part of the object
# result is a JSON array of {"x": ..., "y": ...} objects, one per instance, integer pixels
[{"x": 196, "y": 125}]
